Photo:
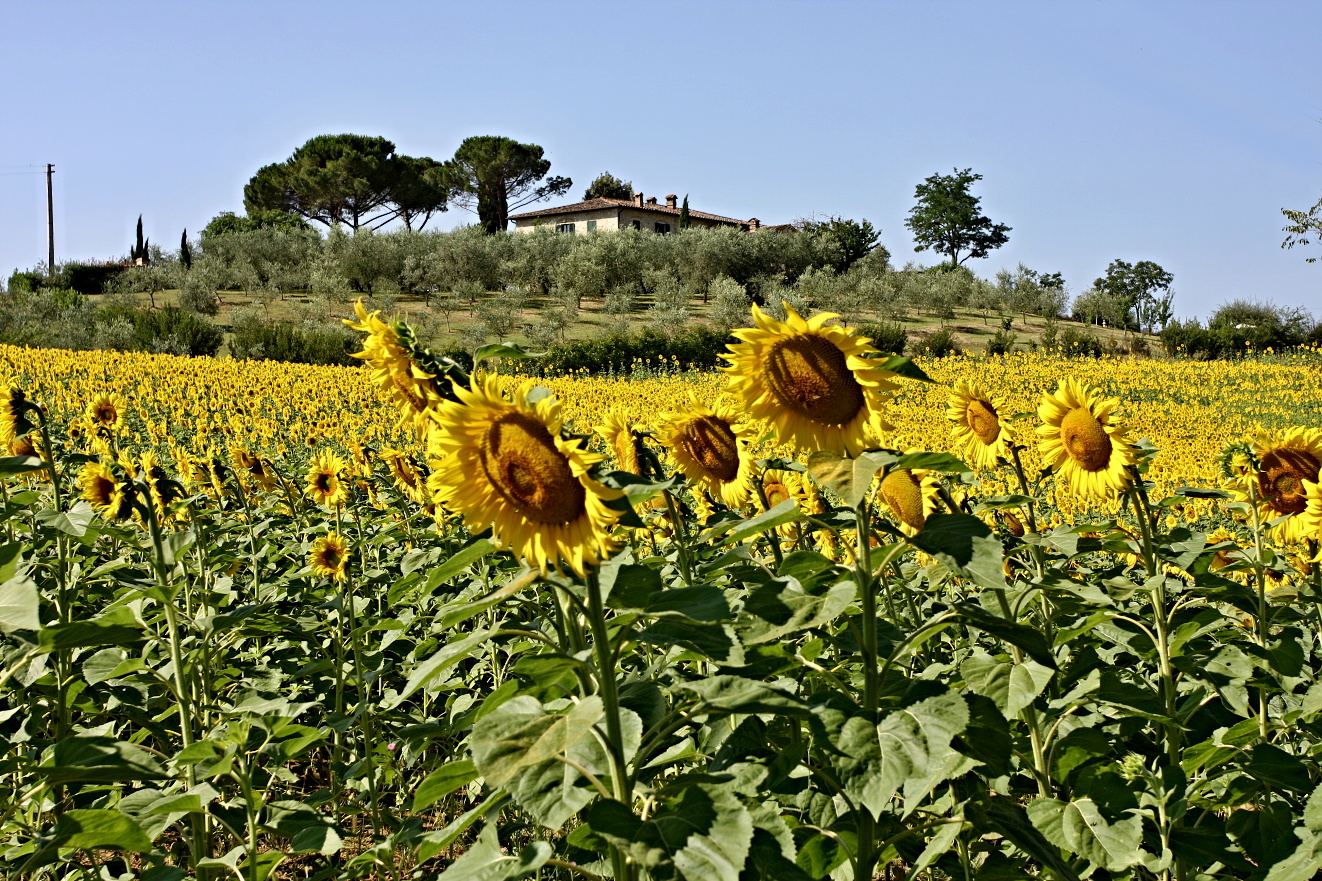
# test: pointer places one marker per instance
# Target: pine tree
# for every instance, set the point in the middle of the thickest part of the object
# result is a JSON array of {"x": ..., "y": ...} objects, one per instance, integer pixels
[{"x": 684, "y": 213}]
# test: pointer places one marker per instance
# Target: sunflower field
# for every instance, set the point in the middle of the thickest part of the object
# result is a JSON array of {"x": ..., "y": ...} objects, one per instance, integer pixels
[{"x": 821, "y": 614}]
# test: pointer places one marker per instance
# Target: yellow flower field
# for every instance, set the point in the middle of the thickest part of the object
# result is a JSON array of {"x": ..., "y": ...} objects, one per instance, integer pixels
[{"x": 1189, "y": 410}]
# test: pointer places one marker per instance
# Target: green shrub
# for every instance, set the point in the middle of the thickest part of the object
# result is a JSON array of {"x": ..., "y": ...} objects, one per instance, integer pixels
[
  {"x": 939, "y": 344},
  {"x": 170, "y": 330},
  {"x": 1080, "y": 342},
  {"x": 889, "y": 337},
  {"x": 55, "y": 318},
  {"x": 1001, "y": 343},
  {"x": 697, "y": 348},
  {"x": 25, "y": 282},
  {"x": 90, "y": 278},
  {"x": 258, "y": 340}
]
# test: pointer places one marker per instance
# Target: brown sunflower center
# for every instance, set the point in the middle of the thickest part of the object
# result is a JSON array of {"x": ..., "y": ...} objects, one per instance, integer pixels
[
  {"x": 102, "y": 491},
  {"x": 713, "y": 445},
  {"x": 1085, "y": 439},
  {"x": 520, "y": 459},
  {"x": 324, "y": 482},
  {"x": 903, "y": 494},
  {"x": 106, "y": 414},
  {"x": 983, "y": 422},
  {"x": 331, "y": 558},
  {"x": 809, "y": 375},
  {"x": 1281, "y": 480},
  {"x": 776, "y": 492}
]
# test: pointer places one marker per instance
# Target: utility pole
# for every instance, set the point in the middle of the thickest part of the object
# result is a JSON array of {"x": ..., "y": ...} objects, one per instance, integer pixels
[{"x": 50, "y": 221}]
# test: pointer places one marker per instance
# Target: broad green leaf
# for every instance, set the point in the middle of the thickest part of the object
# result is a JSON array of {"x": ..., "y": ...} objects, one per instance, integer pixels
[
  {"x": 92, "y": 829},
  {"x": 460, "y": 562},
  {"x": 19, "y": 605},
  {"x": 119, "y": 626},
  {"x": 1012, "y": 686},
  {"x": 1026, "y": 638},
  {"x": 848, "y": 478},
  {"x": 937, "y": 846},
  {"x": 736, "y": 694},
  {"x": 74, "y": 522},
  {"x": 782, "y": 607},
  {"x": 432, "y": 843},
  {"x": 441, "y": 782},
  {"x": 443, "y": 658},
  {"x": 503, "y": 350},
  {"x": 90, "y": 758},
  {"x": 932, "y": 462},
  {"x": 12, "y": 466},
  {"x": 906, "y": 367},
  {"x": 965, "y": 544},
  {"x": 716, "y": 640},
  {"x": 1079, "y": 828},
  {"x": 485, "y": 860},
  {"x": 1004, "y": 816},
  {"x": 467, "y": 610},
  {"x": 740, "y": 529},
  {"x": 520, "y": 733}
]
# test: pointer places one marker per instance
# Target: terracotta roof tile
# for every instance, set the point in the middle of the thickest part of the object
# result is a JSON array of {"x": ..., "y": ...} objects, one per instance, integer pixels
[{"x": 599, "y": 204}]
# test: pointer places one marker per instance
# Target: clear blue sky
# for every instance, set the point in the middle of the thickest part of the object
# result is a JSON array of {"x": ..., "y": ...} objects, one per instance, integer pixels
[{"x": 1172, "y": 132}]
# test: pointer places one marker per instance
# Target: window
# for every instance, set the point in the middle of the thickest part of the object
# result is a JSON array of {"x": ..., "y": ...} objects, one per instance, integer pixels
[
  {"x": 592, "y": 225},
  {"x": 663, "y": 228},
  {"x": 565, "y": 227},
  {"x": 637, "y": 224}
]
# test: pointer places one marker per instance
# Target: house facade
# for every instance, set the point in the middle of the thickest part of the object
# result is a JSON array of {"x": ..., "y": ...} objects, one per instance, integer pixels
[{"x": 602, "y": 215}]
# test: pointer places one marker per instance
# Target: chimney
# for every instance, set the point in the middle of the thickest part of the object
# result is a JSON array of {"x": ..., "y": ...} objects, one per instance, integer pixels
[
  {"x": 638, "y": 199},
  {"x": 754, "y": 224},
  {"x": 672, "y": 201},
  {"x": 651, "y": 200}
]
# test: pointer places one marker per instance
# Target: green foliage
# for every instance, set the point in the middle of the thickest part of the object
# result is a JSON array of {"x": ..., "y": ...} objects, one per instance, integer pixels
[
  {"x": 1304, "y": 227},
  {"x": 938, "y": 344},
  {"x": 228, "y": 222},
  {"x": 498, "y": 175},
  {"x": 1074, "y": 341},
  {"x": 1142, "y": 292},
  {"x": 608, "y": 186},
  {"x": 1001, "y": 343},
  {"x": 855, "y": 239},
  {"x": 255, "y": 339},
  {"x": 25, "y": 282},
  {"x": 90, "y": 278},
  {"x": 170, "y": 330},
  {"x": 46, "y": 317},
  {"x": 696, "y": 348},
  {"x": 139, "y": 252},
  {"x": 888, "y": 337},
  {"x": 947, "y": 218},
  {"x": 1240, "y": 327}
]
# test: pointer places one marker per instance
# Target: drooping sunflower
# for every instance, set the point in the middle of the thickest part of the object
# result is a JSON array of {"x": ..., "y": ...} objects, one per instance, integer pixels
[
  {"x": 106, "y": 411},
  {"x": 624, "y": 439},
  {"x": 24, "y": 445},
  {"x": 325, "y": 479},
  {"x": 780, "y": 486},
  {"x": 1084, "y": 441},
  {"x": 105, "y": 491},
  {"x": 258, "y": 467},
  {"x": 390, "y": 351},
  {"x": 809, "y": 380},
  {"x": 979, "y": 433},
  {"x": 164, "y": 489},
  {"x": 329, "y": 556},
  {"x": 910, "y": 497},
  {"x": 710, "y": 447},
  {"x": 505, "y": 465},
  {"x": 1286, "y": 462},
  {"x": 411, "y": 481},
  {"x": 14, "y": 409}
]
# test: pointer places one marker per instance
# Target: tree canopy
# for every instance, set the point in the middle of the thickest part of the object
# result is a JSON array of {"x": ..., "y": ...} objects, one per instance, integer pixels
[
  {"x": 498, "y": 175},
  {"x": 608, "y": 186},
  {"x": 1141, "y": 290},
  {"x": 948, "y": 218},
  {"x": 355, "y": 180},
  {"x": 1302, "y": 226},
  {"x": 227, "y": 222}
]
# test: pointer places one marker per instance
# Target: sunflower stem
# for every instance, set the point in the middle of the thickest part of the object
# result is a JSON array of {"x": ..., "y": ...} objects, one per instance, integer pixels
[
  {"x": 1262, "y": 623},
  {"x": 682, "y": 538},
  {"x": 605, "y": 663},
  {"x": 867, "y": 596},
  {"x": 772, "y": 535}
]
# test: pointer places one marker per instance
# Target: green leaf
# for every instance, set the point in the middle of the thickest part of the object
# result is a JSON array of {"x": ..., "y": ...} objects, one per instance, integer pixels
[
  {"x": 12, "y": 466},
  {"x": 442, "y": 659},
  {"x": 1012, "y": 686},
  {"x": 460, "y": 562},
  {"x": 520, "y": 733},
  {"x": 1277, "y": 768},
  {"x": 119, "y": 626},
  {"x": 485, "y": 860},
  {"x": 91, "y": 758},
  {"x": 782, "y": 607},
  {"x": 906, "y": 367},
  {"x": 932, "y": 462},
  {"x": 94, "y": 829},
  {"x": 1080, "y": 828},
  {"x": 1003, "y": 816},
  {"x": 937, "y": 846},
  {"x": 74, "y": 522},
  {"x": 441, "y": 782},
  {"x": 1019, "y": 635},
  {"x": 503, "y": 350},
  {"x": 432, "y": 843},
  {"x": 19, "y": 605},
  {"x": 740, "y": 529},
  {"x": 848, "y": 478},
  {"x": 736, "y": 694},
  {"x": 964, "y": 543}
]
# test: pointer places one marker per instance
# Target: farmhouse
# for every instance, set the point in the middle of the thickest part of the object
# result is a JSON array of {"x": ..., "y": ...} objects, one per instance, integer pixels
[{"x": 612, "y": 214}]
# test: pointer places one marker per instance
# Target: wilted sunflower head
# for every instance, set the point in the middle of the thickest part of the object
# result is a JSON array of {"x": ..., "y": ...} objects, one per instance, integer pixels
[
  {"x": 14, "y": 410},
  {"x": 408, "y": 477},
  {"x": 165, "y": 490},
  {"x": 106, "y": 411},
  {"x": 708, "y": 445},
  {"x": 625, "y": 441},
  {"x": 978, "y": 430},
  {"x": 1083, "y": 439},
  {"x": 324, "y": 479},
  {"x": 910, "y": 496},
  {"x": 23, "y": 445},
  {"x": 505, "y": 465},
  {"x": 412, "y": 378},
  {"x": 329, "y": 556},
  {"x": 110, "y": 494},
  {"x": 808, "y": 379}
]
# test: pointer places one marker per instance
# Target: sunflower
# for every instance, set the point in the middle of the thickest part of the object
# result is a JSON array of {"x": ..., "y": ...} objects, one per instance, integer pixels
[
  {"x": 979, "y": 433},
  {"x": 410, "y": 480},
  {"x": 164, "y": 489},
  {"x": 23, "y": 445},
  {"x": 14, "y": 408},
  {"x": 106, "y": 411},
  {"x": 710, "y": 448},
  {"x": 1311, "y": 518},
  {"x": 105, "y": 492},
  {"x": 1286, "y": 462},
  {"x": 505, "y": 466},
  {"x": 409, "y": 387},
  {"x": 329, "y": 556},
  {"x": 624, "y": 439},
  {"x": 1083, "y": 440},
  {"x": 256, "y": 466},
  {"x": 325, "y": 484},
  {"x": 910, "y": 496},
  {"x": 809, "y": 380},
  {"x": 780, "y": 486}
]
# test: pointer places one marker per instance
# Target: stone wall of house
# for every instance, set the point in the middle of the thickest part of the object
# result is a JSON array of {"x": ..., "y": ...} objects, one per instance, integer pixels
[
  {"x": 649, "y": 220},
  {"x": 609, "y": 219}
]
